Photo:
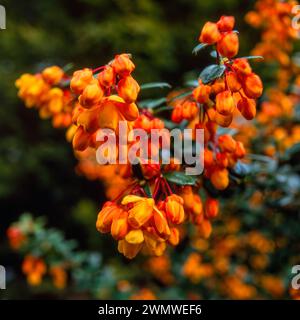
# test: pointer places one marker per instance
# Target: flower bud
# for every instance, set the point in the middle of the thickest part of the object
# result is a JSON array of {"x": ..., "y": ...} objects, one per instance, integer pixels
[
  {"x": 141, "y": 211},
  {"x": 240, "y": 151},
  {"x": 201, "y": 93},
  {"x": 122, "y": 65},
  {"x": 222, "y": 159},
  {"x": 205, "y": 229},
  {"x": 198, "y": 207},
  {"x": 177, "y": 114},
  {"x": 105, "y": 216},
  {"x": 252, "y": 86},
  {"x": 218, "y": 86},
  {"x": 161, "y": 223},
  {"x": 80, "y": 80},
  {"x": 129, "y": 250},
  {"x": 211, "y": 208},
  {"x": 208, "y": 158},
  {"x": 219, "y": 178},
  {"x": 106, "y": 77},
  {"x": 241, "y": 66},
  {"x": 210, "y": 33},
  {"x": 135, "y": 236},
  {"x": 128, "y": 89},
  {"x": 91, "y": 95},
  {"x": 81, "y": 139},
  {"x": 174, "y": 208},
  {"x": 228, "y": 45},
  {"x": 224, "y": 103},
  {"x": 233, "y": 83},
  {"x": 223, "y": 121},
  {"x": 119, "y": 227},
  {"x": 247, "y": 107},
  {"x": 53, "y": 74},
  {"x": 227, "y": 143},
  {"x": 226, "y": 23},
  {"x": 189, "y": 110},
  {"x": 174, "y": 237}
]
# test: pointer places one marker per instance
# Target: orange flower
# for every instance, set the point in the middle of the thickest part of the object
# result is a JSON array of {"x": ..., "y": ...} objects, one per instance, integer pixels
[
  {"x": 53, "y": 74},
  {"x": 16, "y": 237},
  {"x": 219, "y": 178},
  {"x": 210, "y": 33},
  {"x": 202, "y": 92},
  {"x": 222, "y": 120},
  {"x": 106, "y": 216},
  {"x": 123, "y": 65},
  {"x": 174, "y": 237},
  {"x": 227, "y": 143},
  {"x": 141, "y": 211},
  {"x": 59, "y": 276},
  {"x": 34, "y": 268},
  {"x": 224, "y": 103},
  {"x": 161, "y": 223},
  {"x": 252, "y": 86},
  {"x": 222, "y": 159},
  {"x": 228, "y": 45},
  {"x": 129, "y": 250},
  {"x": 240, "y": 151},
  {"x": 205, "y": 229},
  {"x": 119, "y": 226},
  {"x": 233, "y": 83},
  {"x": 247, "y": 107},
  {"x": 106, "y": 77},
  {"x": 211, "y": 208},
  {"x": 241, "y": 66},
  {"x": 80, "y": 80},
  {"x": 226, "y": 23},
  {"x": 128, "y": 89},
  {"x": 174, "y": 208},
  {"x": 81, "y": 139},
  {"x": 91, "y": 95}
]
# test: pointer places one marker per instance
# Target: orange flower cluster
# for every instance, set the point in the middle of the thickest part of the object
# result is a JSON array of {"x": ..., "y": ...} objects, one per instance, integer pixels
[
  {"x": 238, "y": 86},
  {"x": 103, "y": 101},
  {"x": 15, "y": 237},
  {"x": 45, "y": 91},
  {"x": 216, "y": 168},
  {"x": 35, "y": 268},
  {"x": 140, "y": 223},
  {"x": 146, "y": 210},
  {"x": 275, "y": 18},
  {"x": 276, "y": 124}
]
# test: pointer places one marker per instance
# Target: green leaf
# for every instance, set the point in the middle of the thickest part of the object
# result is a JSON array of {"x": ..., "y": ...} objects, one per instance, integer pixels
[
  {"x": 214, "y": 54},
  {"x": 152, "y": 103},
  {"x": 68, "y": 67},
  {"x": 252, "y": 57},
  {"x": 181, "y": 95},
  {"x": 192, "y": 83},
  {"x": 180, "y": 178},
  {"x": 148, "y": 190},
  {"x": 153, "y": 85},
  {"x": 241, "y": 170},
  {"x": 199, "y": 47},
  {"x": 211, "y": 73},
  {"x": 161, "y": 109}
]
